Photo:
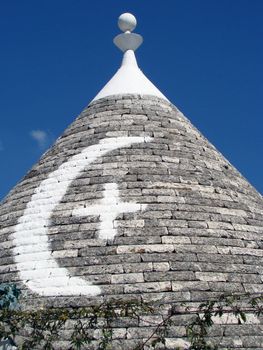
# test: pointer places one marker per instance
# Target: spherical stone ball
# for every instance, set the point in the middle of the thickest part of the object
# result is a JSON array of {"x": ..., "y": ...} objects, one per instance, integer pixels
[{"x": 127, "y": 22}]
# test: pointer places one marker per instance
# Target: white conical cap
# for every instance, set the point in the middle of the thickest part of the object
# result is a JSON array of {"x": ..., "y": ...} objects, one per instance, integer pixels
[{"x": 129, "y": 79}]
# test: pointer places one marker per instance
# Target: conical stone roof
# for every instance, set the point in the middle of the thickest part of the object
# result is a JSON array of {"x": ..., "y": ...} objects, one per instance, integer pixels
[{"x": 132, "y": 202}]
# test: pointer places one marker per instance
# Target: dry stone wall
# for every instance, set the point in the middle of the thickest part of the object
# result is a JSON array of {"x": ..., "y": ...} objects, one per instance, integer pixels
[{"x": 135, "y": 202}]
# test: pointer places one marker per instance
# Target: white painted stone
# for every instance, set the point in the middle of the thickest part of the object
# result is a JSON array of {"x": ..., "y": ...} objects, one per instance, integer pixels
[
  {"x": 35, "y": 228},
  {"x": 129, "y": 79},
  {"x": 108, "y": 209}
]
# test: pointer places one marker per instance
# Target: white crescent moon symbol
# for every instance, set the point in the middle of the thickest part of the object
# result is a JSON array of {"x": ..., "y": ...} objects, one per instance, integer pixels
[{"x": 38, "y": 270}]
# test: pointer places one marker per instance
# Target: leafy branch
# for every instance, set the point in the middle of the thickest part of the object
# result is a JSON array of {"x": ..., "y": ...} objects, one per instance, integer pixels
[{"x": 44, "y": 326}]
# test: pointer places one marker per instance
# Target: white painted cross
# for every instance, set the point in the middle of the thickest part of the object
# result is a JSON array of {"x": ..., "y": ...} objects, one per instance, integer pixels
[{"x": 108, "y": 209}]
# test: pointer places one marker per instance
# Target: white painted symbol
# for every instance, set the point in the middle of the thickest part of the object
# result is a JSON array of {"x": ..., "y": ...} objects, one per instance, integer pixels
[
  {"x": 109, "y": 208},
  {"x": 37, "y": 267}
]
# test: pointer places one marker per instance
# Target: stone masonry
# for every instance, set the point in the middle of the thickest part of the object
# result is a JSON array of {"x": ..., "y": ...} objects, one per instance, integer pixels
[{"x": 195, "y": 231}]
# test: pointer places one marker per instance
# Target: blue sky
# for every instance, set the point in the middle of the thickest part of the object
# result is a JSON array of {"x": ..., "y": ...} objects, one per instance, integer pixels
[{"x": 205, "y": 56}]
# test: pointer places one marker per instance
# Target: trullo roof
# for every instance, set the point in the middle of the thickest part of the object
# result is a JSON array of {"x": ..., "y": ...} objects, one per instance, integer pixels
[{"x": 133, "y": 202}]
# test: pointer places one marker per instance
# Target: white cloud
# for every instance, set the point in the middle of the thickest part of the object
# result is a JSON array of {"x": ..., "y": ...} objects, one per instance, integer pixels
[{"x": 41, "y": 137}]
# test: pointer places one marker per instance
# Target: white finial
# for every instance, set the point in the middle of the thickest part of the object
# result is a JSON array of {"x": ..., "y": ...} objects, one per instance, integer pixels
[
  {"x": 127, "y": 22},
  {"x": 127, "y": 40},
  {"x": 129, "y": 79}
]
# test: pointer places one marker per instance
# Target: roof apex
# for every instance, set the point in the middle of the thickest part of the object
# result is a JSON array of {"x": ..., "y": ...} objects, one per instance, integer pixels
[{"x": 129, "y": 79}]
